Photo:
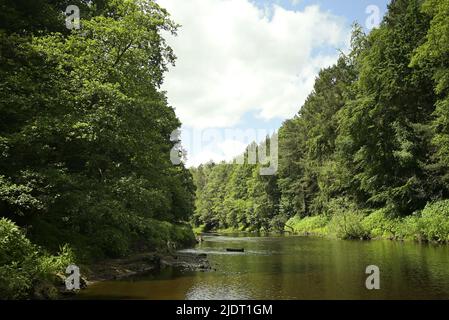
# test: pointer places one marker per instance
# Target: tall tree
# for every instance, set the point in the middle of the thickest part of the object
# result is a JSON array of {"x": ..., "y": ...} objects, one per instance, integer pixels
[
  {"x": 85, "y": 131},
  {"x": 385, "y": 127},
  {"x": 432, "y": 56}
]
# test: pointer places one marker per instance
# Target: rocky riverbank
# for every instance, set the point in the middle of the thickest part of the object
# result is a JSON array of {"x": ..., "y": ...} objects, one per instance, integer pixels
[{"x": 141, "y": 264}]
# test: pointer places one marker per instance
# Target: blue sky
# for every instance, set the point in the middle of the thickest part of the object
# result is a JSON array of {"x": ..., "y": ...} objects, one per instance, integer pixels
[
  {"x": 250, "y": 64},
  {"x": 351, "y": 10}
]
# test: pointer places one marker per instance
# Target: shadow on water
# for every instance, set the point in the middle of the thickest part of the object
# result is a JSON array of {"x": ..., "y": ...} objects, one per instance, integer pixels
[{"x": 276, "y": 267}]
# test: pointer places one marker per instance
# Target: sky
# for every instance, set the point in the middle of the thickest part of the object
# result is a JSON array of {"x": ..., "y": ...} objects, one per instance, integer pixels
[{"x": 245, "y": 66}]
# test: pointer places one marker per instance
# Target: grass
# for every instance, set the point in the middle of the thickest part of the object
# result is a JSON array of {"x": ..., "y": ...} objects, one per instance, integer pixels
[
  {"x": 199, "y": 229},
  {"x": 316, "y": 225},
  {"x": 429, "y": 225}
]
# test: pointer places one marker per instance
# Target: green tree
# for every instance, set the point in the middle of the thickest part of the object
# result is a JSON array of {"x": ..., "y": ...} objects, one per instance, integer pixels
[
  {"x": 384, "y": 128},
  {"x": 85, "y": 129},
  {"x": 432, "y": 56}
]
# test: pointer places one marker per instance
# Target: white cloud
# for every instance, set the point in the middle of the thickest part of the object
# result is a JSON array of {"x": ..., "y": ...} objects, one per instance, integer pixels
[
  {"x": 219, "y": 144},
  {"x": 225, "y": 150},
  {"x": 234, "y": 58}
]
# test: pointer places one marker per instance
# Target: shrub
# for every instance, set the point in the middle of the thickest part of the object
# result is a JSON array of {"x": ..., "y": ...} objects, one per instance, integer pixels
[
  {"x": 410, "y": 228},
  {"x": 380, "y": 225},
  {"x": 23, "y": 266},
  {"x": 346, "y": 222},
  {"x": 434, "y": 224},
  {"x": 182, "y": 235},
  {"x": 151, "y": 234},
  {"x": 349, "y": 225},
  {"x": 112, "y": 242},
  {"x": 277, "y": 223},
  {"x": 199, "y": 229},
  {"x": 314, "y": 225},
  {"x": 17, "y": 256}
]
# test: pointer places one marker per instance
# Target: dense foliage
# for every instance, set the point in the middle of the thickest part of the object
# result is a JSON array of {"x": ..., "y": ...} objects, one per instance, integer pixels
[
  {"x": 24, "y": 269},
  {"x": 85, "y": 131},
  {"x": 235, "y": 196},
  {"x": 367, "y": 151}
]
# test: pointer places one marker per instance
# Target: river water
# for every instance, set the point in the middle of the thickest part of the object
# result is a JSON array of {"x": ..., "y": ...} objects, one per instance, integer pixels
[{"x": 293, "y": 267}]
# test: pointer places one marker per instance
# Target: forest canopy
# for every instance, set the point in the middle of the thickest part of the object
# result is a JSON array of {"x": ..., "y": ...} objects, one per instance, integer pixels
[{"x": 85, "y": 128}]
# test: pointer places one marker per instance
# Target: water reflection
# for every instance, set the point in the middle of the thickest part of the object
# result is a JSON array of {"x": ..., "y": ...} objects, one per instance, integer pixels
[{"x": 295, "y": 268}]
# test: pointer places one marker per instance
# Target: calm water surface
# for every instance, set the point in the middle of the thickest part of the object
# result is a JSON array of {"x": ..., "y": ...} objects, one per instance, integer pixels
[{"x": 294, "y": 268}]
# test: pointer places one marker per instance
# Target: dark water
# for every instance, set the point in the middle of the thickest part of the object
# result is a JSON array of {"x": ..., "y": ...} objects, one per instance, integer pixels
[{"x": 295, "y": 268}]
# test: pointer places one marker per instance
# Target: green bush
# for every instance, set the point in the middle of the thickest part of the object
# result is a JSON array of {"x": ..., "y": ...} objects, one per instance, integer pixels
[
  {"x": 182, "y": 235},
  {"x": 277, "y": 223},
  {"x": 112, "y": 242},
  {"x": 23, "y": 266},
  {"x": 380, "y": 225},
  {"x": 431, "y": 224},
  {"x": 199, "y": 229},
  {"x": 316, "y": 225},
  {"x": 346, "y": 221},
  {"x": 434, "y": 222},
  {"x": 410, "y": 228},
  {"x": 17, "y": 256},
  {"x": 349, "y": 225},
  {"x": 151, "y": 234}
]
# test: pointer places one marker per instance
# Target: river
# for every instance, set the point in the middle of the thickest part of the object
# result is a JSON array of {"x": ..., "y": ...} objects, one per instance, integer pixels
[{"x": 290, "y": 267}]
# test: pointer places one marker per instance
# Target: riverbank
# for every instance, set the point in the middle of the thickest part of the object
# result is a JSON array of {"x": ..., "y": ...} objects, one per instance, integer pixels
[
  {"x": 429, "y": 225},
  {"x": 132, "y": 267},
  {"x": 141, "y": 264},
  {"x": 30, "y": 270},
  {"x": 137, "y": 264}
]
